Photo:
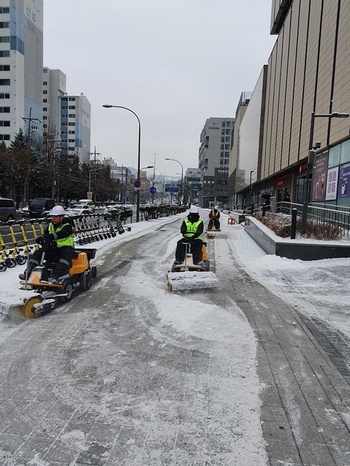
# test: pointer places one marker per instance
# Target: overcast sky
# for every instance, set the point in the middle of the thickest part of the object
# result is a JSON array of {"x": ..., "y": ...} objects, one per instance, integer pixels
[{"x": 174, "y": 64}]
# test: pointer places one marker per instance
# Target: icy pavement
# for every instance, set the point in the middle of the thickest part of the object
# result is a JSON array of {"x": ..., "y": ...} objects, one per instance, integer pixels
[{"x": 130, "y": 374}]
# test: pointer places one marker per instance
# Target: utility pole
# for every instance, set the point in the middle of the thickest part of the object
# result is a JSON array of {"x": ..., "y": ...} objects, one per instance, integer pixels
[
  {"x": 95, "y": 154},
  {"x": 29, "y": 121}
]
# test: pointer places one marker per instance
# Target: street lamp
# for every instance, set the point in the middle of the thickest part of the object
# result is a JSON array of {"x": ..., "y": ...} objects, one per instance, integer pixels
[
  {"x": 310, "y": 162},
  {"x": 138, "y": 155},
  {"x": 182, "y": 177}
]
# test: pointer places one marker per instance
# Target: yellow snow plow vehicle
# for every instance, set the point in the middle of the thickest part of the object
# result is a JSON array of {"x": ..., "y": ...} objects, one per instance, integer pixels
[
  {"x": 46, "y": 294},
  {"x": 190, "y": 276}
]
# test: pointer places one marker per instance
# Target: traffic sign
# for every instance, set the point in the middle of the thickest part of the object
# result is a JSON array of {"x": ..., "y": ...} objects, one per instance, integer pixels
[
  {"x": 152, "y": 189},
  {"x": 137, "y": 183}
]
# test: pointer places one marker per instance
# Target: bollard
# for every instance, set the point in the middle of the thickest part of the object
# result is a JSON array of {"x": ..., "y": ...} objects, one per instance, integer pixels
[
  {"x": 263, "y": 209},
  {"x": 252, "y": 209},
  {"x": 293, "y": 228}
]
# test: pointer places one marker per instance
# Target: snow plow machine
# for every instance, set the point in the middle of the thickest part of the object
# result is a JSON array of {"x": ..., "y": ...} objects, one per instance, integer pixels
[
  {"x": 44, "y": 295},
  {"x": 211, "y": 231},
  {"x": 190, "y": 276}
]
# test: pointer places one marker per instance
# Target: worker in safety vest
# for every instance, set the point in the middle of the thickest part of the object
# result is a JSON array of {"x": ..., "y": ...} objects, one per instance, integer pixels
[
  {"x": 214, "y": 216},
  {"x": 191, "y": 229},
  {"x": 59, "y": 246}
]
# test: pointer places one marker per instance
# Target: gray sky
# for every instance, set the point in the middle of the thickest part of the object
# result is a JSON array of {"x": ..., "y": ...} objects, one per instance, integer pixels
[{"x": 174, "y": 64}]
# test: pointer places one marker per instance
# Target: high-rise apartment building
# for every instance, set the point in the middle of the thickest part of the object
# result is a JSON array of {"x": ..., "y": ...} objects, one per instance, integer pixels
[
  {"x": 54, "y": 87},
  {"x": 75, "y": 126},
  {"x": 66, "y": 117},
  {"x": 21, "y": 66}
]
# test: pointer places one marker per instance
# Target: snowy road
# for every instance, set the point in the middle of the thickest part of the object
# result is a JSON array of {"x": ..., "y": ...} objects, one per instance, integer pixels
[{"x": 130, "y": 374}]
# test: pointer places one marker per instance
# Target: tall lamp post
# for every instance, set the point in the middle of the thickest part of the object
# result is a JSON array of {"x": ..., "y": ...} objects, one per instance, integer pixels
[
  {"x": 182, "y": 177},
  {"x": 138, "y": 155},
  {"x": 306, "y": 194}
]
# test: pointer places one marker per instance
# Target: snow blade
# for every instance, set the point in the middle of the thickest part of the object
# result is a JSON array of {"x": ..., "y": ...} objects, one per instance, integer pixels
[{"x": 179, "y": 281}]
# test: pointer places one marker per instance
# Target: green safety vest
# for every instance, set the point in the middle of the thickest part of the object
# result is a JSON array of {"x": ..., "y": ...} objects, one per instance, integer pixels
[
  {"x": 191, "y": 228},
  {"x": 68, "y": 241}
]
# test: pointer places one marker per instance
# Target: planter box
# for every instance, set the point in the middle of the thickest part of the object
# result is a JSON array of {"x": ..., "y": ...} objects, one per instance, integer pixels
[{"x": 304, "y": 249}]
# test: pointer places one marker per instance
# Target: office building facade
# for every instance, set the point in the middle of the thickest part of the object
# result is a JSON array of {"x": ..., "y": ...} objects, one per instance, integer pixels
[
  {"x": 214, "y": 152},
  {"x": 305, "y": 148},
  {"x": 309, "y": 69}
]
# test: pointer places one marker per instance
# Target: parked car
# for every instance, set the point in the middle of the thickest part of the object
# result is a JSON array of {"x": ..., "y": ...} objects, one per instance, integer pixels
[
  {"x": 24, "y": 211},
  {"x": 78, "y": 209},
  {"x": 87, "y": 203},
  {"x": 39, "y": 205},
  {"x": 7, "y": 209}
]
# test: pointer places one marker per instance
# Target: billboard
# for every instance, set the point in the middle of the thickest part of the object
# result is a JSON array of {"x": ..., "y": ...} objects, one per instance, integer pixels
[
  {"x": 332, "y": 184},
  {"x": 344, "y": 182},
  {"x": 319, "y": 178},
  {"x": 171, "y": 188}
]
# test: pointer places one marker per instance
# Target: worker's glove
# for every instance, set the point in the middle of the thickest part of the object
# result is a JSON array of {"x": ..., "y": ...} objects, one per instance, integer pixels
[
  {"x": 40, "y": 240},
  {"x": 45, "y": 240}
]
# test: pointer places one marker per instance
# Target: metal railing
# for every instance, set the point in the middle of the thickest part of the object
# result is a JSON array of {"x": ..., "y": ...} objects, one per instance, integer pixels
[{"x": 320, "y": 215}]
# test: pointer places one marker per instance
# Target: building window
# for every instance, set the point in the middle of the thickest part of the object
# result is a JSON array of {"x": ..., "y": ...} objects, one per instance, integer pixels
[
  {"x": 5, "y": 82},
  {"x": 44, "y": 83},
  {"x": 4, "y": 9},
  {"x": 45, "y": 101},
  {"x": 4, "y": 39},
  {"x": 71, "y": 107},
  {"x": 4, "y": 109},
  {"x": 4, "y": 24},
  {"x": 45, "y": 92},
  {"x": 4, "y": 53},
  {"x": 4, "y": 96},
  {"x": 44, "y": 117},
  {"x": 71, "y": 99},
  {"x": 4, "y": 123},
  {"x": 4, "y": 67}
]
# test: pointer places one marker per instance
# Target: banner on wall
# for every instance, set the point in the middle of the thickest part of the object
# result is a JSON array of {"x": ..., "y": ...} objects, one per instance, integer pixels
[
  {"x": 344, "y": 182},
  {"x": 319, "y": 178},
  {"x": 332, "y": 184}
]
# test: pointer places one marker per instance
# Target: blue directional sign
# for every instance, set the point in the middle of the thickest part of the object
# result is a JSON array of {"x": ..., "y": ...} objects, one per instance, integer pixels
[
  {"x": 152, "y": 189},
  {"x": 137, "y": 184}
]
